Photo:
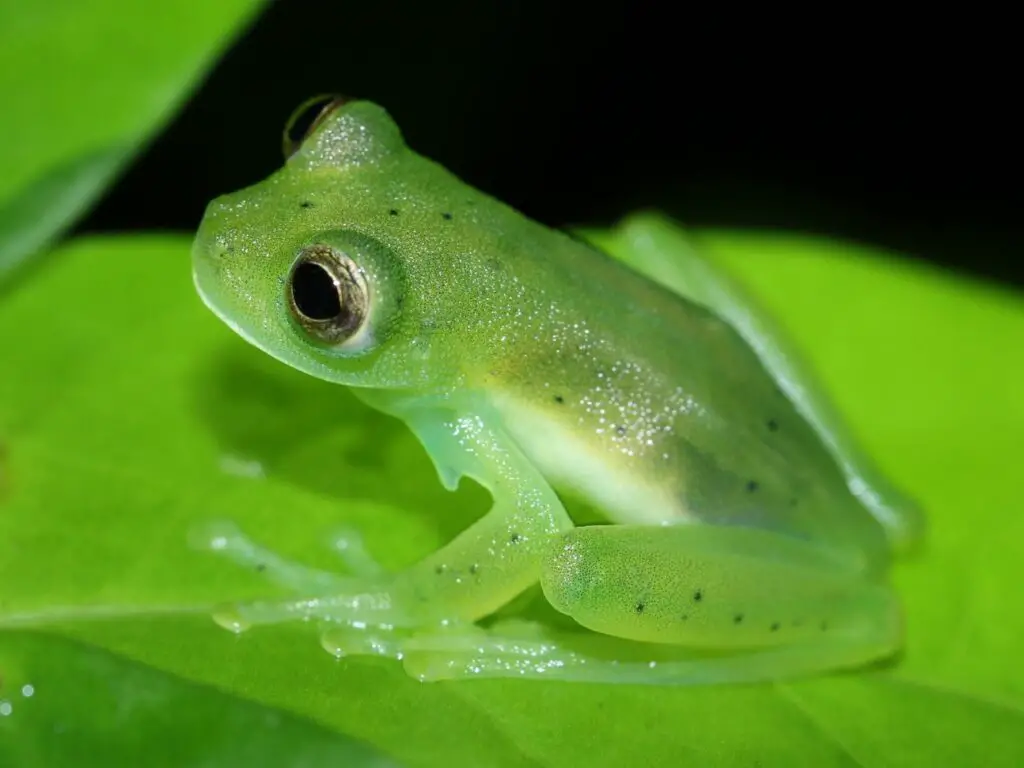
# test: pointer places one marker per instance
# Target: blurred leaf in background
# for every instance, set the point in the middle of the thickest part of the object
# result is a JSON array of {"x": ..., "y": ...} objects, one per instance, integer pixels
[{"x": 85, "y": 83}]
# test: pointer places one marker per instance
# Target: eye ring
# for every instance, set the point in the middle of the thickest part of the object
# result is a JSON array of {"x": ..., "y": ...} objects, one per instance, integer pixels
[
  {"x": 306, "y": 118},
  {"x": 328, "y": 295}
]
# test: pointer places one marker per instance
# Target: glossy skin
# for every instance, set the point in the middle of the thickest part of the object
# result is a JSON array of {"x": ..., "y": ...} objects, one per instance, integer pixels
[{"x": 527, "y": 360}]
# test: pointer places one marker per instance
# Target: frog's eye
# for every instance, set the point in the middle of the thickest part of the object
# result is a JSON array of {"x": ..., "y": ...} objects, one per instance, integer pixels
[
  {"x": 327, "y": 294},
  {"x": 306, "y": 119}
]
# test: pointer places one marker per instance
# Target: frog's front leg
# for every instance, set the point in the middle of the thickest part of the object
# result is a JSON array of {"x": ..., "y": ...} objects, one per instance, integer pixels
[
  {"x": 483, "y": 568},
  {"x": 737, "y": 605}
]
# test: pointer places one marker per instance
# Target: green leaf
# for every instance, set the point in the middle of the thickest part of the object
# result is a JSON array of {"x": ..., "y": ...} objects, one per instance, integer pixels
[
  {"x": 75, "y": 705},
  {"x": 129, "y": 415},
  {"x": 85, "y": 83}
]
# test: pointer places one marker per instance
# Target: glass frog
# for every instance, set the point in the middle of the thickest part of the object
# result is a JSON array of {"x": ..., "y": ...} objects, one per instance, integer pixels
[{"x": 746, "y": 537}]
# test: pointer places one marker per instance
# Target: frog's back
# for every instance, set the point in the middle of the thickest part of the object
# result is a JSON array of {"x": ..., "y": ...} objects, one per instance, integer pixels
[{"x": 653, "y": 407}]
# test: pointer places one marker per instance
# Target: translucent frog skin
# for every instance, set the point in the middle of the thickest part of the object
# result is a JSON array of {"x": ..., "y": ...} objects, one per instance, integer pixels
[{"x": 746, "y": 540}]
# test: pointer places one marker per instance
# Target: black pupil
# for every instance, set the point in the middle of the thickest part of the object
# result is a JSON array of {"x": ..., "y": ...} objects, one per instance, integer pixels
[
  {"x": 302, "y": 122},
  {"x": 315, "y": 293}
]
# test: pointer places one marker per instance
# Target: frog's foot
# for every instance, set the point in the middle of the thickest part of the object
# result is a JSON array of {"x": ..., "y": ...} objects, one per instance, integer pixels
[
  {"x": 356, "y": 639},
  {"x": 539, "y": 652},
  {"x": 326, "y": 596}
]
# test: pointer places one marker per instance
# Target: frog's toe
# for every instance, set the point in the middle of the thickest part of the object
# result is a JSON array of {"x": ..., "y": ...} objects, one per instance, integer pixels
[
  {"x": 225, "y": 539},
  {"x": 350, "y": 640},
  {"x": 348, "y": 544}
]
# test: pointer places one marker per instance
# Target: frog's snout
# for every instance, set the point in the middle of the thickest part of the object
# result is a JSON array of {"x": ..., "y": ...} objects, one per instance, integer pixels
[{"x": 212, "y": 250}]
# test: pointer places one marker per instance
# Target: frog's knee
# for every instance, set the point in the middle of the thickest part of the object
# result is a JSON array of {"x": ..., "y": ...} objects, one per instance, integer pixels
[
  {"x": 570, "y": 577},
  {"x": 591, "y": 577},
  {"x": 606, "y": 581}
]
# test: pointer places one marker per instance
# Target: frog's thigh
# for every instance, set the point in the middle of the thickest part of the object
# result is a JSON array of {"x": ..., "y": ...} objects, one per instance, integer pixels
[{"x": 712, "y": 587}]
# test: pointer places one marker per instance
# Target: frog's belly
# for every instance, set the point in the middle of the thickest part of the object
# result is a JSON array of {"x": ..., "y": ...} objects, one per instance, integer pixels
[{"x": 569, "y": 460}]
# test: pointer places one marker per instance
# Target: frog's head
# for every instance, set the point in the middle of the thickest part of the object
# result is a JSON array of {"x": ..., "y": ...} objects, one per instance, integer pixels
[{"x": 307, "y": 265}]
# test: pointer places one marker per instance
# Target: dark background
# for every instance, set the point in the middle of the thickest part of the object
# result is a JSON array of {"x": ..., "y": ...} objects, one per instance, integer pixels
[{"x": 895, "y": 131}]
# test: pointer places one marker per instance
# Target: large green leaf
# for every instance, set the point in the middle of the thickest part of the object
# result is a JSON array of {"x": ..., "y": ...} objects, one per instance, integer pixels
[
  {"x": 84, "y": 83},
  {"x": 73, "y": 705},
  {"x": 128, "y": 415}
]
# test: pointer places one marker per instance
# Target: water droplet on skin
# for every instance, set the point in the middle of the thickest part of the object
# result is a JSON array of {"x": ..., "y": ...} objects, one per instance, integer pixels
[
  {"x": 28, "y": 690},
  {"x": 5, "y": 708}
]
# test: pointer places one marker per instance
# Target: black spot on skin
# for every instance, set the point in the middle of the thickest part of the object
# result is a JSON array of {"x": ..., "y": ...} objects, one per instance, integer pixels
[
  {"x": 305, "y": 204},
  {"x": 737, "y": 619},
  {"x": 773, "y": 425},
  {"x": 446, "y": 216},
  {"x": 752, "y": 485},
  {"x": 775, "y": 627},
  {"x": 620, "y": 431},
  {"x": 261, "y": 567},
  {"x": 685, "y": 617},
  {"x": 559, "y": 399},
  {"x": 515, "y": 538},
  {"x": 439, "y": 569},
  {"x": 698, "y": 596},
  {"x": 639, "y": 608},
  {"x": 474, "y": 569},
  {"x": 393, "y": 212}
]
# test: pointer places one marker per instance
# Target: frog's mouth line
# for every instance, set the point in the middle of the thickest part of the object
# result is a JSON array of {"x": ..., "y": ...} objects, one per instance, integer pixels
[
  {"x": 238, "y": 329},
  {"x": 234, "y": 326}
]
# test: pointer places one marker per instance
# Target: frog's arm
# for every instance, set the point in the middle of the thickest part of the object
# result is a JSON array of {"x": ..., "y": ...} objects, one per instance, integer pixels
[
  {"x": 769, "y": 606},
  {"x": 656, "y": 247},
  {"x": 479, "y": 571}
]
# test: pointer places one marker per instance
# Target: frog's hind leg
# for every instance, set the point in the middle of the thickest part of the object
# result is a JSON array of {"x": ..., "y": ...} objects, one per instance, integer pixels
[
  {"x": 710, "y": 605},
  {"x": 659, "y": 249}
]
